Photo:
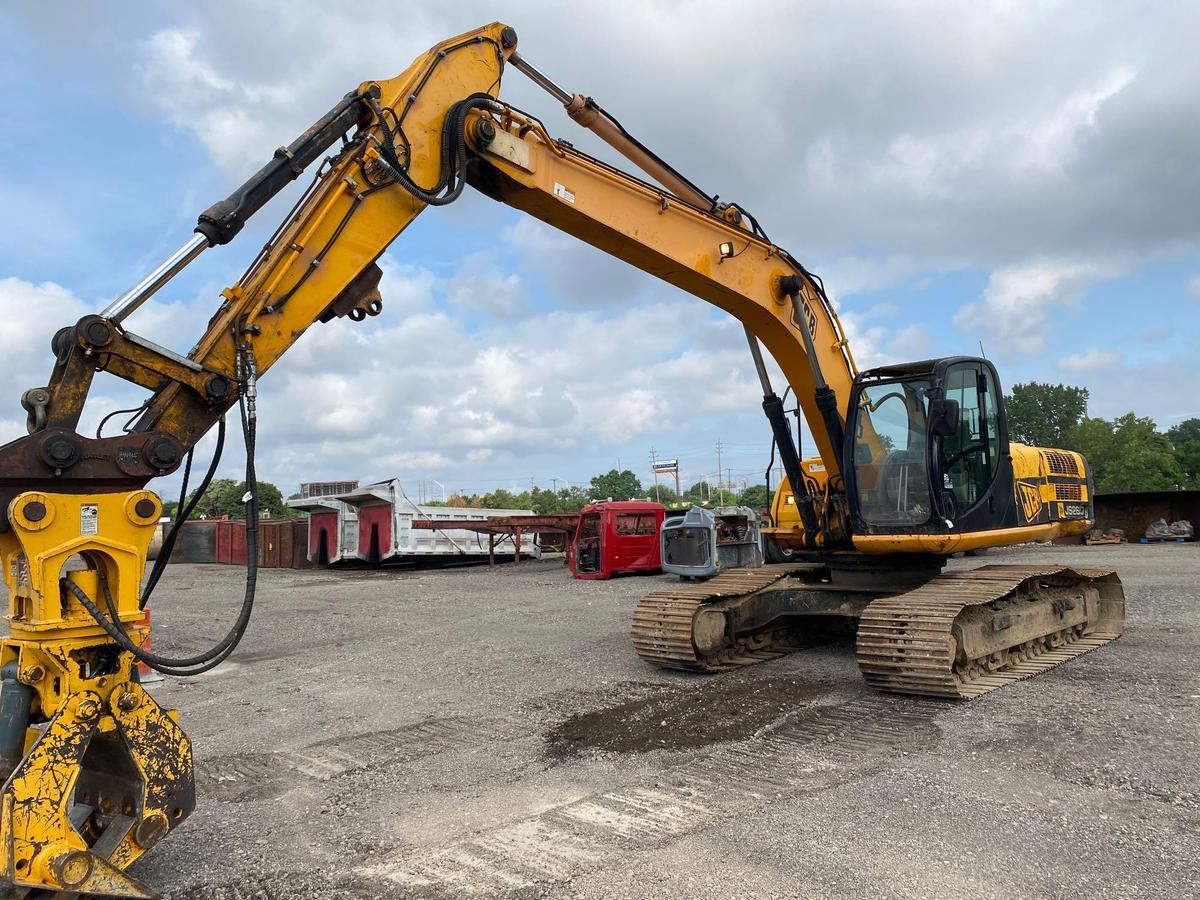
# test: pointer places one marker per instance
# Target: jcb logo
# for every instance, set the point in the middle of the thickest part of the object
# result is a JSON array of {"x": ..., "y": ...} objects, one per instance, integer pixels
[
  {"x": 1031, "y": 500},
  {"x": 802, "y": 317}
]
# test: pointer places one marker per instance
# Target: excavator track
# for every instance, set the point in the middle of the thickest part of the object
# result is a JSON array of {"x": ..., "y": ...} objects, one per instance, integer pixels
[
  {"x": 959, "y": 635},
  {"x": 934, "y": 640},
  {"x": 671, "y": 632}
]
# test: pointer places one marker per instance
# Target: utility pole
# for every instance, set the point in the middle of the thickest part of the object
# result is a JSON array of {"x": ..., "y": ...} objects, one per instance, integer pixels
[
  {"x": 654, "y": 470},
  {"x": 720, "y": 494}
]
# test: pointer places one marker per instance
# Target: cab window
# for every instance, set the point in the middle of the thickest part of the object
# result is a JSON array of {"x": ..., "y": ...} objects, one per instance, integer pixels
[
  {"x": 969, "y": 457},
  {"x": 636, "y": 524},
  {"x": 890, "y": 469}
]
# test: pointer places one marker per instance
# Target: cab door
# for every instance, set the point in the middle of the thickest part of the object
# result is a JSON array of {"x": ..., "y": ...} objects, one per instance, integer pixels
[
  {"x": 972, "y": 470},
  {"x": 585, "y": 551},
  {"x": 635, "y": 541}
]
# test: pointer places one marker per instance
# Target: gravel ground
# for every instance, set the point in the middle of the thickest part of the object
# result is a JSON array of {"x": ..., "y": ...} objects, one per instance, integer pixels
[{"x": 468, "y": 732}]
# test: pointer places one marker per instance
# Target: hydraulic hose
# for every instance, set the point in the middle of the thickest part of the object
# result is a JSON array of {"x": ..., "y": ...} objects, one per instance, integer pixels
[
  {"x": 183, "y": 512},
  {"x": 215, "y": 655},
  {"x": 453, "y": 152}
]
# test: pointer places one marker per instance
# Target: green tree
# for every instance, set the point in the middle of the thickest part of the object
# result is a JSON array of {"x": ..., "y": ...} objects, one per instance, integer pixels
[
  {"x": 1127, "y": 454},
  {"x": 1044, "y": 415},
  {"x": 755, "y": 496},
  {"x": 1188, "y": 457},
  {"x": 623, "y": 485},
  {"x": 664, "y": 494},
  {"x": 571, "y": 499},
  {"x": 698, "y": 493},
  {"x": 504, "y": 499},
  {"x": 224, "y": 498},
  {"x": 543, "y": 502},
  {"x": 1185, "y": 438},
  {"x": 1186, "y": 432}
]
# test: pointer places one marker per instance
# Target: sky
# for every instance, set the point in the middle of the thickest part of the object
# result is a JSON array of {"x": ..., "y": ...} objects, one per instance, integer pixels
[{"x": 1016, "y": 177}]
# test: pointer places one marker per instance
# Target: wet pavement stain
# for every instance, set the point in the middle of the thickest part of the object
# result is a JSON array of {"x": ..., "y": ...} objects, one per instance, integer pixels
[{"x": 681, "y": 719}]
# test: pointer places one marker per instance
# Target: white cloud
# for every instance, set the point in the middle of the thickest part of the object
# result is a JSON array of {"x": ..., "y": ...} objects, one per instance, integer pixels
[
  {"x": 1018, "y": 131},
  {"x": 1117, "y": 389},
  {"x": 226, "y": 114},
  {"x": 1024, "y": 141},
  {"x": 1043, "y": 142},
  {"x": 450, "y": 390},
  {"x": 1011, "y": 317},
  {"x": 480, "y": 285},
  {"x": 429, "y": 386},
  {"x": 30, "y": 315},
  {"x": 1090, "y": 360}
]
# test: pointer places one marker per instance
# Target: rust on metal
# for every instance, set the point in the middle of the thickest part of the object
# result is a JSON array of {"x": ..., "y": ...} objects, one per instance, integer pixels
[{"x": 511, "y": 526}]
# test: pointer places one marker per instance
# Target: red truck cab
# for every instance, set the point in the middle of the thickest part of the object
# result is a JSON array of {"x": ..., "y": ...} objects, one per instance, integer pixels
[{"x": 616, "y": 536}]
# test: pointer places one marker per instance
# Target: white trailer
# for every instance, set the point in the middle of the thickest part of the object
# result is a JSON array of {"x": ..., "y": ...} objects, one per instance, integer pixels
[
  {"x": 385, "y": 533},
  {"x": 332, "y": 529}
]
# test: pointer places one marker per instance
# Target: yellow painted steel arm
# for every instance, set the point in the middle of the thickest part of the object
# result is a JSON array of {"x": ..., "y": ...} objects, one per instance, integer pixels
[
  {"x": 321, "y": 261},
  {"x": 342, "y": 226},
  {"x": 653, "y": 230}
]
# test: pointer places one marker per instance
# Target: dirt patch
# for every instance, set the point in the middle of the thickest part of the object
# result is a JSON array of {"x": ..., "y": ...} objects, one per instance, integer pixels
[{"x": 680, "y": 719}]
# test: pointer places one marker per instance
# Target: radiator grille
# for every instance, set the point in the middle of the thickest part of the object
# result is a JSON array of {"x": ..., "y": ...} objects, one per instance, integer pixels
[
  {"x": 1068, "y": 492},
  {"x": 1060, "y": 463}
]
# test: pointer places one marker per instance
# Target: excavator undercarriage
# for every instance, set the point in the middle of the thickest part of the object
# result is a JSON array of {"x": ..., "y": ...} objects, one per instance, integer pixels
[{"x": 946, "y": 634}]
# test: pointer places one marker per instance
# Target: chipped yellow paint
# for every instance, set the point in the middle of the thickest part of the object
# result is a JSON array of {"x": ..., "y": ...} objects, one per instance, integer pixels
[{"x": 85, "y": 711}]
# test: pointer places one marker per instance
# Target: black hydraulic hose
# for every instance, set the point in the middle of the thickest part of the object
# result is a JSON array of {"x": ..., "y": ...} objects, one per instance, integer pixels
[
  {"x": 183, "y": 513},
  {"x": 453, "y": 152},
  {"x": 113, "y": 414},
  {"x": 214, "y": 656}
]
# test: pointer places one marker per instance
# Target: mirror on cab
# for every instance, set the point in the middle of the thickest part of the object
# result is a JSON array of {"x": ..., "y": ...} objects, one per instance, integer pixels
[{"x": 943, "y": 417}]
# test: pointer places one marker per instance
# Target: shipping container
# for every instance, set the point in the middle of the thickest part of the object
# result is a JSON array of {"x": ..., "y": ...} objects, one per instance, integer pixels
[
  {"x": 283, "y": 544},
  {"x": 197, "y": 542}
]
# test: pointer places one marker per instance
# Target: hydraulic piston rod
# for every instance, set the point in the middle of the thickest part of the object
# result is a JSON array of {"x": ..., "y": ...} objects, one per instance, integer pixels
[
  {"x": 588, "y": 113},
  {"x": 129, "y": 301},
  {"x": 220, "y": 222}
]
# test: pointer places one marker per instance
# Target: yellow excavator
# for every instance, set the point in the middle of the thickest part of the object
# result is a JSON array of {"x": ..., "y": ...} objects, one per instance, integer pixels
[{"x": 914, "y": 460}]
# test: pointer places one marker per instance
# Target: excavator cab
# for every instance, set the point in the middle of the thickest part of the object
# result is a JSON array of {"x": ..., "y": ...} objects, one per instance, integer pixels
[{"x": 927, "y": 449}]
